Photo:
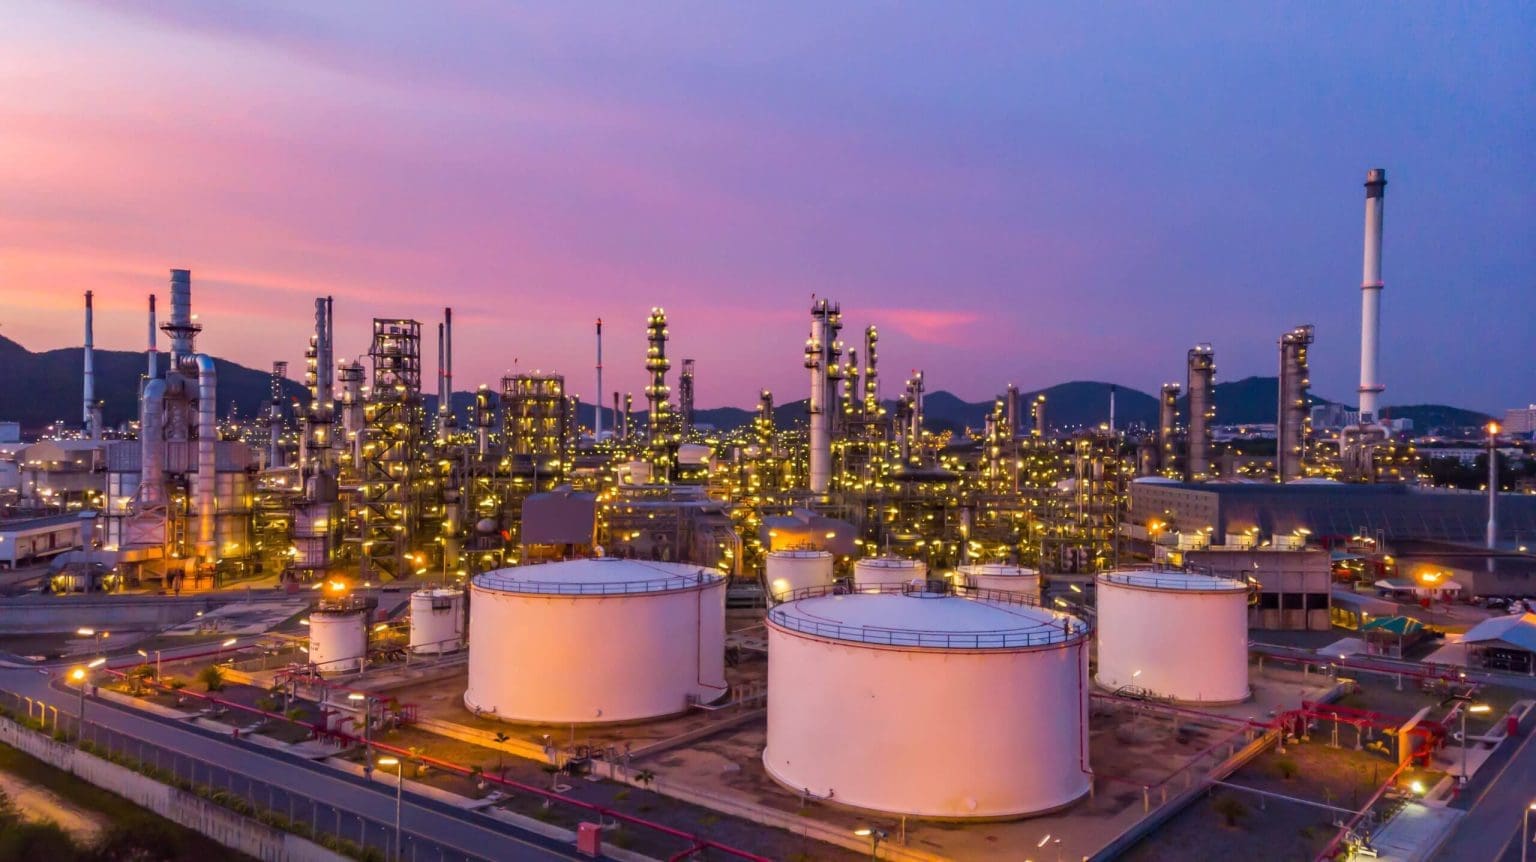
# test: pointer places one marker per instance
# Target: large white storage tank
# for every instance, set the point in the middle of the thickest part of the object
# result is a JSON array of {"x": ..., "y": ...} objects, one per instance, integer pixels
[
  {"x": 790, "y": 571},
  {"x": 595, "y": 640},
  {"x": 1172, "y": 634},
  {"x": 873, "y": 573},
  {"x": 437, "y": 621},
  {"x": 1001, "y": 681},
  {"x": 1001, "y": 576},
  {"x": 338, "y": 638}
]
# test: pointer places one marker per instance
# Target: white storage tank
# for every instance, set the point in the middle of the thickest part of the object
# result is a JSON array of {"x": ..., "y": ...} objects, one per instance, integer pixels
[
  {"x": 338, "y": 639},
  {"x": 949, "y": 706},
  {"x": 789, "y": 571},
  {"x": 595, "y": 640},
  {"x": 1001, "y": 576},
  {"x": 873, "y": 573},
  {"x": 437, "y": 621},
  {"x": 1173, "y": 634}
]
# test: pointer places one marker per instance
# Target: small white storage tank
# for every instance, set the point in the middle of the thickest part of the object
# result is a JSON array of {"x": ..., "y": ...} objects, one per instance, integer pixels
[
  {"x": 1001, "y": 576},
  {"x": 872, "y": 573},
  {"x": 1173, "y": 634},
  {"x": 950, "y": 707},
  {"x": 789, "y": 571},
  {"x": 338, "y": 639},
  {"x": 437, "y": 621},
  {"x": 595, "y": 640}
]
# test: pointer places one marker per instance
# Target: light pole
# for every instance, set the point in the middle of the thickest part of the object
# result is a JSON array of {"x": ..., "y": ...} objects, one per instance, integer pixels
[
  {"x": 81, "y": 676},
  {"x": 226, "y": 645},
  {"x": 1525, "y": 832},
  {"x": 157, "y": 662},
  {"x": 93, "y": 633},
  {"x": 367, "y": 702},
  {"x": 399, "y": 789},
  {"x": 875, "y": 836},
  {"x": 1467, "y": 706}
]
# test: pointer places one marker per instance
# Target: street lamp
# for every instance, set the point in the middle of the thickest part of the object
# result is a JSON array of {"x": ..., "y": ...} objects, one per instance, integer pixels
[
  {"x": 81, "y": 676},
  {"x": 225, "y": 645},
  {"x": 1525, "y": 832},
  {"x": 399, "y": 785},
  {"x": 875, "y": 836},
  {"x": 367, "y": 702},
  {"x": 157, "y": 662},
  {"x": 1467, "y": 706},
  {"x": 92, "y": 633}
]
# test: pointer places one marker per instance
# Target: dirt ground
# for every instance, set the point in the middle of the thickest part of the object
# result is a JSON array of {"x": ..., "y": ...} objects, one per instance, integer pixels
[{"x": 1274, "y": 829}]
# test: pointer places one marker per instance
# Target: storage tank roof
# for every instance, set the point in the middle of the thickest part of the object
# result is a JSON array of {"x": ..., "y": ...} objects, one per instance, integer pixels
[
  {"x": 929, "y": 620},
  {"x": 805, "y": 554},
  {"x": 1173, "y": 580},
  {"x": 600, "y": 576},
  {"x": 889, "y": 562},
  {"x": 1003, "y": 569}
]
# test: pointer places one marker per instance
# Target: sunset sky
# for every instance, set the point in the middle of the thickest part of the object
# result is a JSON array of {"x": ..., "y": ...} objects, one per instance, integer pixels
[{"x": 1012, "y": 193}]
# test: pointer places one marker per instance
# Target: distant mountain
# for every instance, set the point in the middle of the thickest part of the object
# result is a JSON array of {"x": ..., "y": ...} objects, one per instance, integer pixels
[
  {"x": 39, "y": 388},
  {"x": 1249, "y": 401},
  {"x": 1428, "y": 416}
]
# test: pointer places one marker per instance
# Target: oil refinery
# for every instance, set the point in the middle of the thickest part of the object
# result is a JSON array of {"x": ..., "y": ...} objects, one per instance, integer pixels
[{"x": 856, "y": 633}]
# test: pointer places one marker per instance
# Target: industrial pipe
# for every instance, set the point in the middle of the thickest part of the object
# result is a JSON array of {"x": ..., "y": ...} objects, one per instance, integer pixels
[
  {"x": 207, "y": 433},
  {"x": 152, "y": 444}
]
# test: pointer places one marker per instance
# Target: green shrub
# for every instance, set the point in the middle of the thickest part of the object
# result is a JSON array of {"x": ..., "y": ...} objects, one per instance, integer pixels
[{"x": 212, "y": 678}]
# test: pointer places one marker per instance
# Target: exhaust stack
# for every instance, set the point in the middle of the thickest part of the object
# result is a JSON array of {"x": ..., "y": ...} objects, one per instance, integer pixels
[
  {"x": 597, "y": 403},
  {"x": 153, "y": 354},
  {"x": 1370, "y": 294},
  {"x": 91, "y": 413}
]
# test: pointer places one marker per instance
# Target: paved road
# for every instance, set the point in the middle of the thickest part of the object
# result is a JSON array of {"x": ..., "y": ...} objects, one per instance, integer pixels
[
  {"x": 1496, "y": 798},
  {"x": 475, "y": 836}
]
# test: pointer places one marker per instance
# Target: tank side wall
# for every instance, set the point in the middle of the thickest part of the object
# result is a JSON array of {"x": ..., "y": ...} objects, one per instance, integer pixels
[
  {"x": 1015, "y": 751},
  {"x": 1190, "y": 646}
]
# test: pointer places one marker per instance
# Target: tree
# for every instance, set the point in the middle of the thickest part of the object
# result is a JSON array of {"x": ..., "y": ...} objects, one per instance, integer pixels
[
  {"x": 212, "y": 678},
  {"x": 1231, "y": 809}
]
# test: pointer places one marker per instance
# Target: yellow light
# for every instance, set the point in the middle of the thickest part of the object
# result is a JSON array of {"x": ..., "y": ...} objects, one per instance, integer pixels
[{"x": 77, "y": 674}]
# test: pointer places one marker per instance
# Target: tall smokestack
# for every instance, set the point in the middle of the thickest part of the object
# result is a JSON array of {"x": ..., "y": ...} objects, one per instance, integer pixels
[
  {"x": 1370, "y": 294},
  {"x": 91, "y": 416},
  {"x": 1202, "y": 410},
  {"x": 597, "y": 419},
  {"x": 442, "y": 384},
  {"x": 181, "y": 329},
  {"x": 153, "y": 354},
  {"x": 449, "y": 419},
  {"x": 1111, "y": 407}
]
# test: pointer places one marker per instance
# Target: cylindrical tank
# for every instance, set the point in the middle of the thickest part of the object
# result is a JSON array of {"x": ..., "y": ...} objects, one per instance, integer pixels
[
  {"x": 595, "y": 640},
  {"x": 338, "y": 640},
  {"x": 789, "y": 571},
  {"x": 1001, "y": 576},
  {"x": 437, "y": 621},
  {"x": 871, "y": 573},
  {"x": 1005, "y": 678},
  {"x": 1172, "y": 634}
]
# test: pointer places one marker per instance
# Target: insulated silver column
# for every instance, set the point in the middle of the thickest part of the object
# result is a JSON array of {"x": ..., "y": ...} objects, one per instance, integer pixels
[{"x": 90, "y": 416}]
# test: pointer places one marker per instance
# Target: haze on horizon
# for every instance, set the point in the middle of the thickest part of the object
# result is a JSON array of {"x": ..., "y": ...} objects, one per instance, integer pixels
[{"x": 1012, "y": 195}]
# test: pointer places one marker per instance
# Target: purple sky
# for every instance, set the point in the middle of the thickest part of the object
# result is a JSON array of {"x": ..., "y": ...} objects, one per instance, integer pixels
[{"x": 1026, "y": 196}]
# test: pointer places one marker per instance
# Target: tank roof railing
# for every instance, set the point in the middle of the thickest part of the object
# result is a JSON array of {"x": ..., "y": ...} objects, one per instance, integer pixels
[
  {"x": 1066, "y": 628},
  {"x": 664, "y": 584}
]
